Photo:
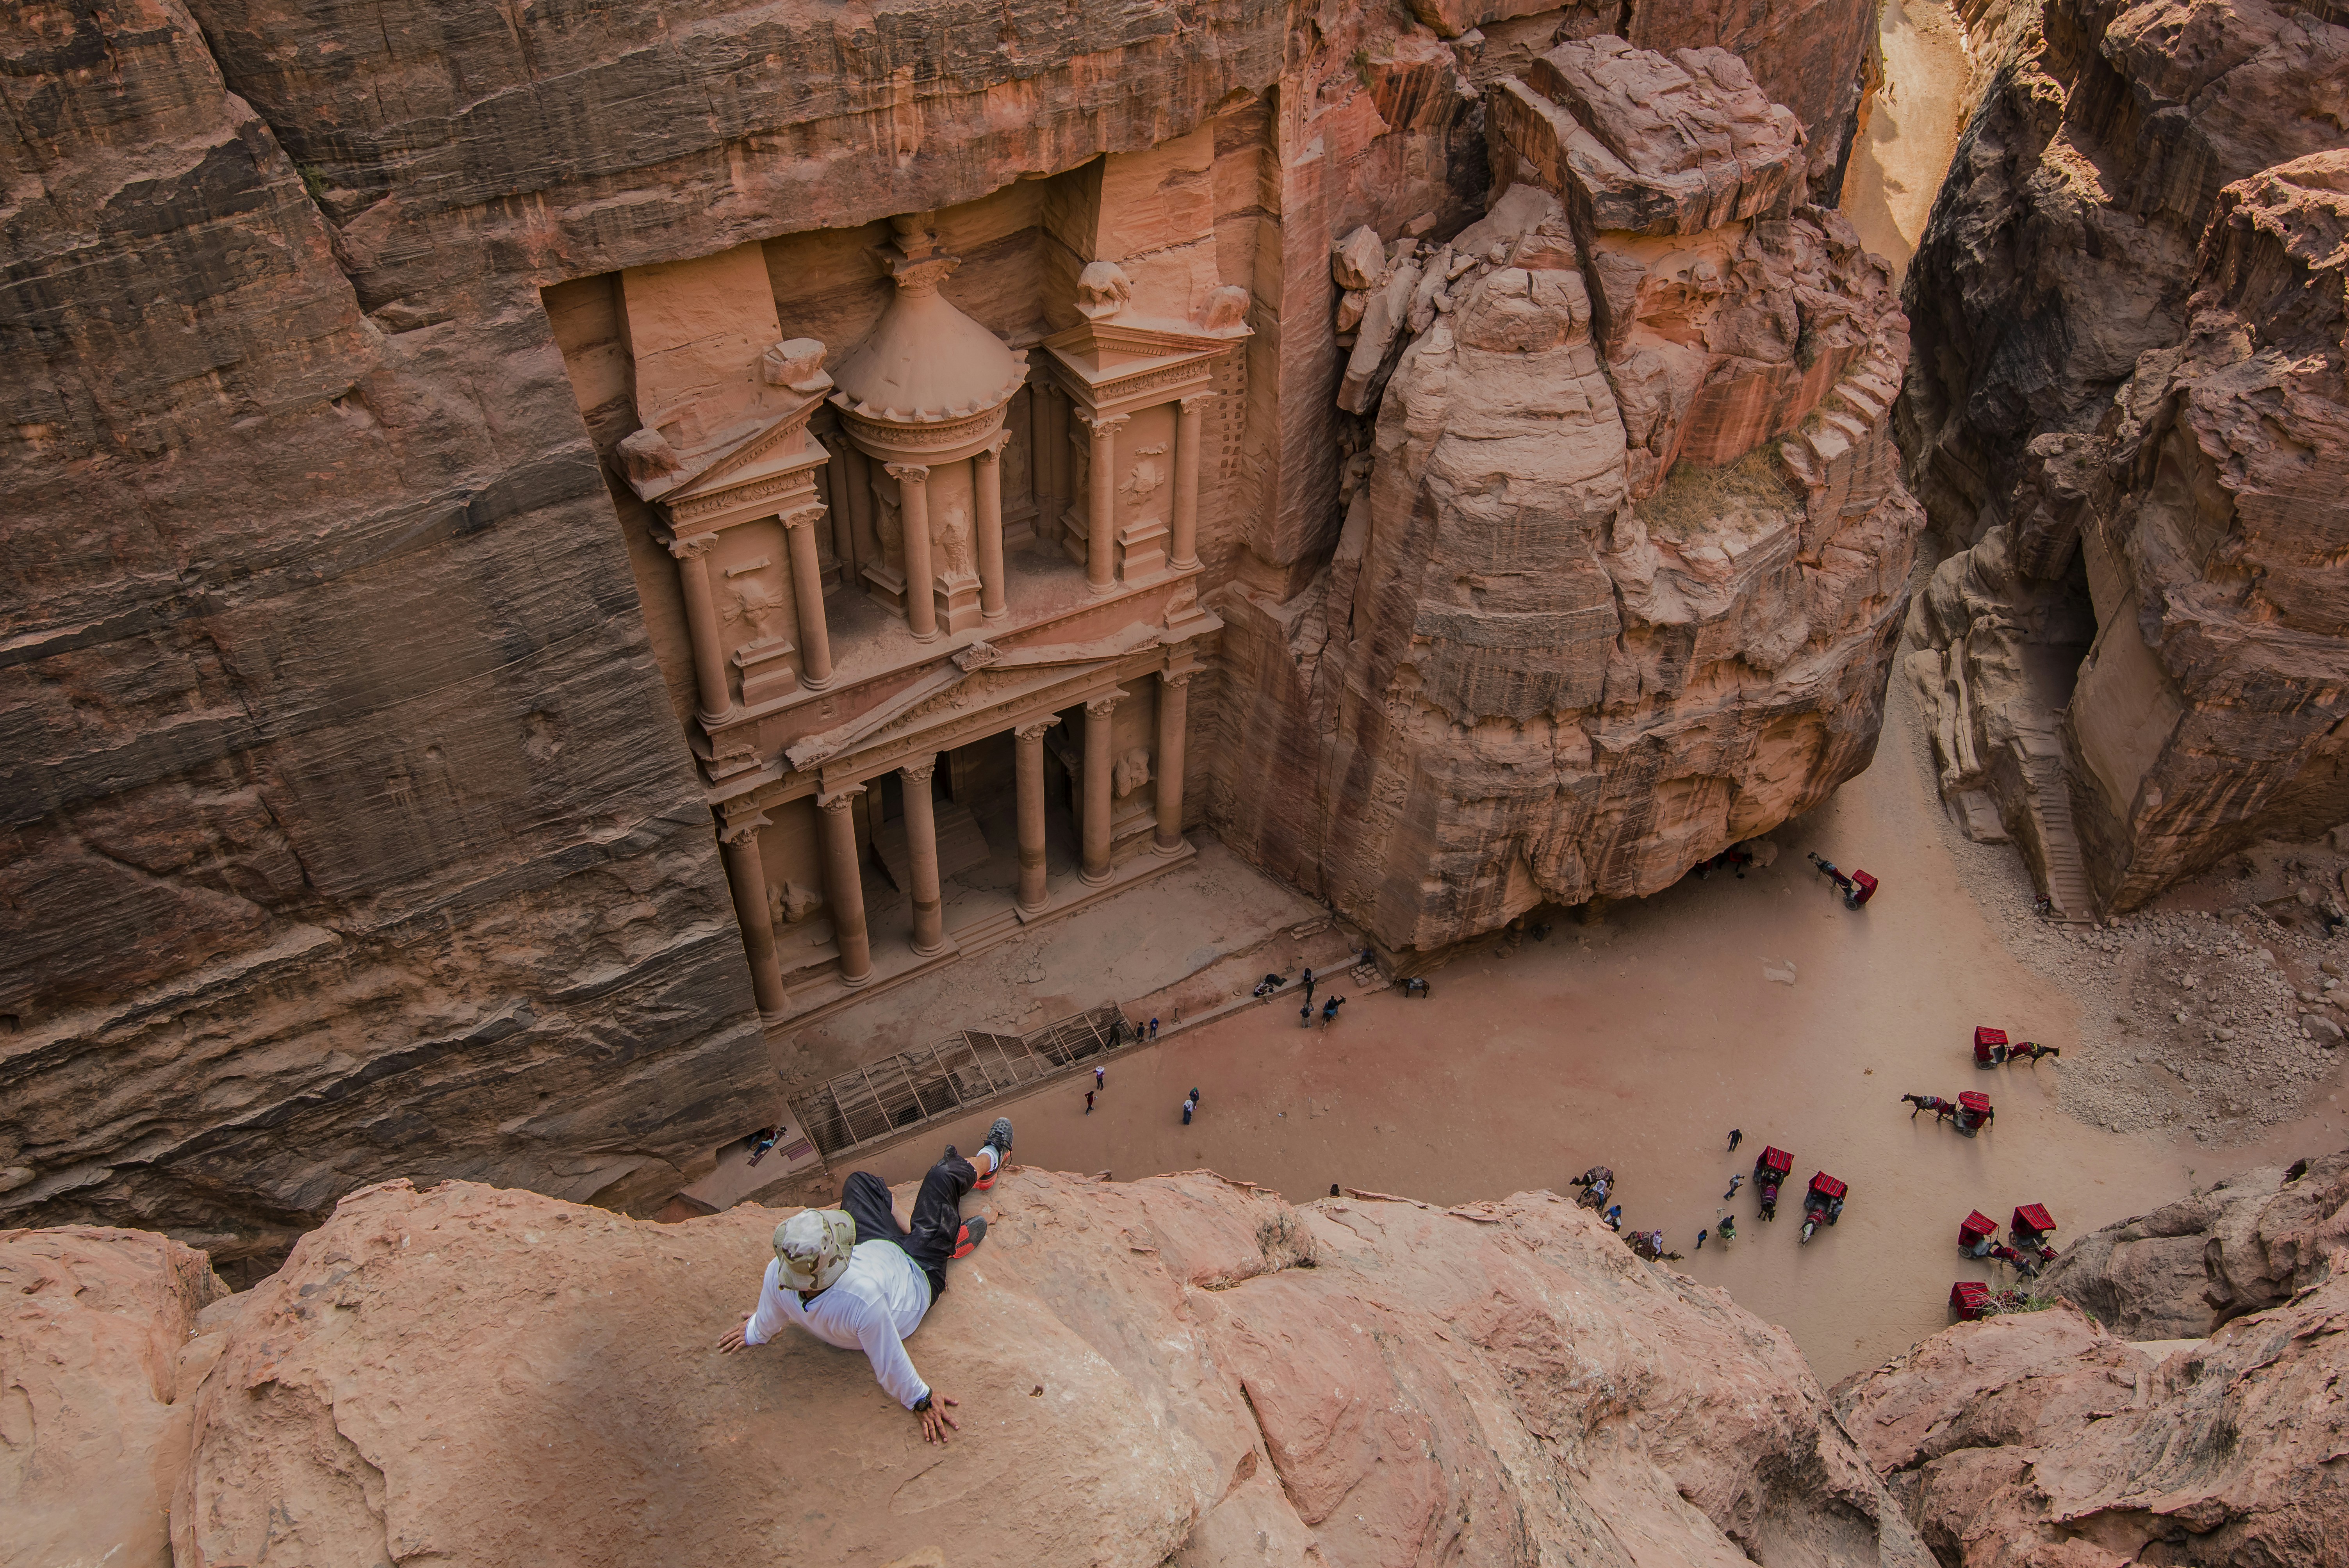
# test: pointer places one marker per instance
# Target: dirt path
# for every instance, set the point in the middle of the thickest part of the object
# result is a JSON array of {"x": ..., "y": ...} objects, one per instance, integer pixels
[
  {"x": 1912, "y": 130},
  {"x": 1640, "y": 1043}
]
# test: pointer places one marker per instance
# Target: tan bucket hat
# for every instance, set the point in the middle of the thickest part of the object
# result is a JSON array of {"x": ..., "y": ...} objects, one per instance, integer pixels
[{"x": 812, "y": 1248}]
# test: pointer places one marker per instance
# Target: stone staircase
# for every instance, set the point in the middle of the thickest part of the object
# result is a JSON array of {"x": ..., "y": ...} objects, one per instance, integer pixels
[{"x": 2070, "y": 896}]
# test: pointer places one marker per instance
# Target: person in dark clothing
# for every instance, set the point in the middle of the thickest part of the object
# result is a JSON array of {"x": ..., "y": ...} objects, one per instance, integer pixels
[
  {"x": 1308, "y": 987},
  {"x": 1153, "y": 1028},
  {"x": 1329, "y": 1010},
  {"x": 1333, "y": 1188},
  {"x": 1699, "y": 1239},
  {"x": 1734, "y": 1183},
  {"x": 1089, "y": 1102},
  {"x": 1195, "y": 1094},
  {"x": 1188, "y": 1107},
  {"x": 1736, "y": 1138},
  {"x": 1305, "y": 1017}
]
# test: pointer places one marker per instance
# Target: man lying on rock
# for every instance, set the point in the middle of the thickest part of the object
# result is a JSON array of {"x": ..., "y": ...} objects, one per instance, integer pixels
[{"x": 852, "y": 1278}]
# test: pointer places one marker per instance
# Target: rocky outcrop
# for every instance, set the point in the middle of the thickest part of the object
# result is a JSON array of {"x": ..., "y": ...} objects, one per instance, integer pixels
[
  {"x": 1620, "y": 585},
  {"x": 2040, "y": 1439},
  {"x": 2242, "y": 1244},
  {"x": 2129, "y": 322},
  {"x": 101, "y": 1351},
  {"x": 1177, "y": 1369}
]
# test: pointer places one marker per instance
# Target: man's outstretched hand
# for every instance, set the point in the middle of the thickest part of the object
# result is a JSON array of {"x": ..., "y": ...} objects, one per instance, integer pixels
[
  {"x": 731, "y": 1340},
  {"x": 935, "y": 1422}
]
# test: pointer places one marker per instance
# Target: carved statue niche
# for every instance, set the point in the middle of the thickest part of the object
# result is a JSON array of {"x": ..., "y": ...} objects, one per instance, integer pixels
[
  {"x": 954, "y": 539},
  {"x": 1131, "y": 773},
  {"x": 755, "y": 606},
  {"x": 789, "y": 904}
]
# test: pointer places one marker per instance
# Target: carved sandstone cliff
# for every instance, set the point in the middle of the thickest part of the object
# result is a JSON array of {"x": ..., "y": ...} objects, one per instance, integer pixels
[
  {"x": 1176, "y": 1370},
  {"x": 2128, "y": 401},
  {"x": 1620, "y": 585}
]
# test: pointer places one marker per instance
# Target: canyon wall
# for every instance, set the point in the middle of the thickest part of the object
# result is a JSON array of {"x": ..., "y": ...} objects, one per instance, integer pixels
[
  {"x": 2128, "y": 414},
  {"x": 352, "y": 832},
  {"x": 1179, "y": 1369}
]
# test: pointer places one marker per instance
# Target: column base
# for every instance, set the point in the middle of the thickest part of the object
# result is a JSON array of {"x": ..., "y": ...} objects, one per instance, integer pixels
[
  {"x": 771, "y": 1020},
  {"x": 824, "y": 684},
  {"x": 1190, "y": 565},
  {"x": 920, "y": 952},
  {"x": 1095, "y": 879},
  {"x": 864, "y": 979},
  {"x": 1161, "y": 847},
  {"x": 1101, "y": 590},
  {"x": 1038, "y": 907},
  {"x": 1002, "y": 615}
]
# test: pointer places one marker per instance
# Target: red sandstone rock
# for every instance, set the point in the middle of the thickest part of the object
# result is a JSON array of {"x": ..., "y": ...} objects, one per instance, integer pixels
[
  {"x": 1175, "y": 1369},
  {"x": 2038, "y": 1440},
  {"x": 2242, "y": 1244},
  {"x": 98, "y": 1374}
]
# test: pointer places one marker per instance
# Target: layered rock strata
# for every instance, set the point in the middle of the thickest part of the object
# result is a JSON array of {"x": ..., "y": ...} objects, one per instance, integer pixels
[
  {"x": 1177, "y": 1369},
  {"x": 2129, "y": 404},
  {"x": 2040, "y": 1439},
  {"x": 1622, "y": 568}
]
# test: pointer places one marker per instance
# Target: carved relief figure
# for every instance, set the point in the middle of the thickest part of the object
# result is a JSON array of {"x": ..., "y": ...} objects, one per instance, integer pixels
[
  {"x": 755, "y": 606},
  {"x": 892, "y": 527},
  {"x": 954, "y": 539},
  {"x": 1147, "y": 476},
  {"x": 1102, "y": 289},
  {"x": 1131, "y": 773},
  {"x": 790, "y": 903}
]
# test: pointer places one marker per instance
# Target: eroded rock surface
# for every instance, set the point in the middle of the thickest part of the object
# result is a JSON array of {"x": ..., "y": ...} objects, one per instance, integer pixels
[
  {"x": 2041, "y": 1439},
  {"x": 2130, "y": 403},
  {"x": 2242, "y": 1244},
  {"x": 100, "y": 1357},
  {"x": 1174, "y": 1369},
  {"x": 1620, "y": 585}
]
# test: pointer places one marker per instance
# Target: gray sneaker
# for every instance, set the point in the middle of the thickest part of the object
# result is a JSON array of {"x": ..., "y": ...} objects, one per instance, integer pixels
[{"x": 999, "y": 1139}]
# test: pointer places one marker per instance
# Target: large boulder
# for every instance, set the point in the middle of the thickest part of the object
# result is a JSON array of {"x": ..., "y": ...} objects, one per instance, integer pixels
[
  {"x": 1175, "y": 1369},
  {"x": 2040, "y": 1440},
  {"x": 2242, "y": 1244},
  {"x": 99, "y": 1353}
]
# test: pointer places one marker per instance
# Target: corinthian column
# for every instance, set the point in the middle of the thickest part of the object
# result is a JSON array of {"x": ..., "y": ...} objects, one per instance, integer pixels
[
  {"x": 913, "y": 512},
  {"x": 1186, "y": 481},
  {"x": 922, "y": 851},
  {"x": 844, "y": 884},
  {"x": 1100, "y": 531},
  {"x": 807, "y": 591},
  {"x": 1028, "y": 755},
  {"x": 745, "y": 876},
  {"x": 1098, "y": 714},
  {"x": 989, "y": 466},
  {"x": 1174, "y": 712},
  {"x": 1048, "y": 457},
  {"x": 701, "y": 624}
]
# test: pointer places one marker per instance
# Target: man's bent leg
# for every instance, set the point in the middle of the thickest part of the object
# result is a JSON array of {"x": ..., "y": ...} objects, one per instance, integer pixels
[
  {"x": 868, "y": 1201},
  {"x": 938, "y": 1217}
]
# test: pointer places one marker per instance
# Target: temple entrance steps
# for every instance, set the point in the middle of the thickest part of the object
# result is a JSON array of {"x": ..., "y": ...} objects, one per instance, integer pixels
[{"x": 2071, "y": 899}]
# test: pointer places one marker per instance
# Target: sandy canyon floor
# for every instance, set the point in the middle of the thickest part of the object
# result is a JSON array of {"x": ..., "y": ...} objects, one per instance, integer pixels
[{"x": 1640, "y": 1042}]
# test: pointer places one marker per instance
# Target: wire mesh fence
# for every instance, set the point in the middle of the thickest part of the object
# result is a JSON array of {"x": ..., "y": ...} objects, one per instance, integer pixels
[{"x": 885, "y": 1098}]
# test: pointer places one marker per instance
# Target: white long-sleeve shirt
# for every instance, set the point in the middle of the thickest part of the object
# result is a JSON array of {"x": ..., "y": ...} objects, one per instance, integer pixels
[{"x": 874, "y": 1306}]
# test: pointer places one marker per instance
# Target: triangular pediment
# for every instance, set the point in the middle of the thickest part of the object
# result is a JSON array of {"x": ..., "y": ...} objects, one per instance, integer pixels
[
  {"x": 779, "y": 437},
  {"x": 1115, "y": 348}
]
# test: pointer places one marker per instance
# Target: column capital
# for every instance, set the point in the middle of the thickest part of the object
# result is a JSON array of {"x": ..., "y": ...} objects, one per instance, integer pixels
[
  {"x": 1102, "y": 707},
  {"x": 692, "y": 546},
  {"x": 1102, "y": 424},
  {"x": 801, "y": 516},
  {"x": 1035, "y": 730},
  {"x": 744, "y": 829},
  {"x": 840, "y": 799},
  {"x": 1192, "y": 402},
  {"x": 909, "y": 473},
  {"x": 1176, "y": 677},
  {"x": 994, "y": 449},
  {"x": 919, "y": 773}
]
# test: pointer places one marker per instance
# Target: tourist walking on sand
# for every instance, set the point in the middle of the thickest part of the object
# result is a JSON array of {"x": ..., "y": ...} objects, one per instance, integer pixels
[
  {"x": 1188, "y": 1107},
  {"x": 1099, "y": 1073},
  {"x": 1089, "y": 1102},
  {"x": 1308, "y": 987},
  {"x": 1736, "y": 1138},
  {"x": 1699, "y": 1239},
  {"x": 1615, "y": 1218},
  {"x": 1305, "y": 1017},
  {"x": 1194, "y": 1096},
  {"x": 1329, "y": 1010},
  {"x": 1734, "y": 1183},
  {"x": 852, "y": 1278},
  {"x": 1153, "y": 1028}
]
